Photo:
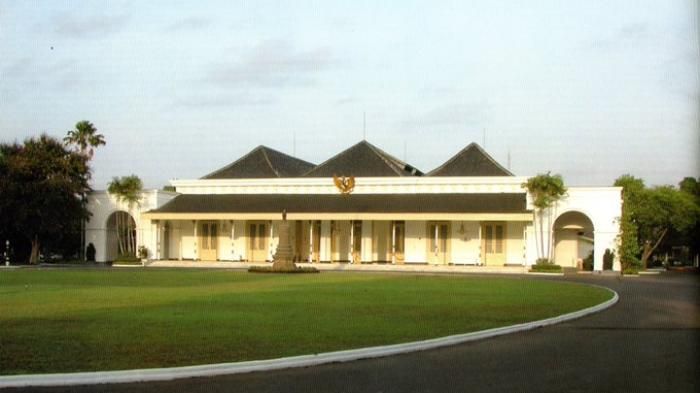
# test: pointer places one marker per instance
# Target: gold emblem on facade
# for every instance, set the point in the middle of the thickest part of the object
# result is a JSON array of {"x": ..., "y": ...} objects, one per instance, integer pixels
[{"x": 344, "y": 183}]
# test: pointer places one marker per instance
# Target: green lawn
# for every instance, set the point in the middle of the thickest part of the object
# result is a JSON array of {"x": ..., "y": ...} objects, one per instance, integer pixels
[{"x": 77, "y": 320}]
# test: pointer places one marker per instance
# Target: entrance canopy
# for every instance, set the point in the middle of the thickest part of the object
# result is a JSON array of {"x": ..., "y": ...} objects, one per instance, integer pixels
[{"x": 475, "y": 206}]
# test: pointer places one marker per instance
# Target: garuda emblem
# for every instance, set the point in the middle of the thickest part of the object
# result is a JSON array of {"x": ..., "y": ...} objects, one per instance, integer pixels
[{"x": 344, "y": 183}]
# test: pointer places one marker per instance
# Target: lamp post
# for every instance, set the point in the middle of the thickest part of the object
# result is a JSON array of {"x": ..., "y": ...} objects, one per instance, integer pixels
[{"x": 7, "y": 252}]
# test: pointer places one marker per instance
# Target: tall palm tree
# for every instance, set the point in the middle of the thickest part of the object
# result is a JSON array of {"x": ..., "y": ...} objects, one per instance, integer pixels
[
  {"x": 85, "y": 137},
  {"x": 126, "y": 189}
]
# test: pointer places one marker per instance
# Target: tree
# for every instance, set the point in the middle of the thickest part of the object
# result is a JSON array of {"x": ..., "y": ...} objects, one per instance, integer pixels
[
  {"x": 691, "y": 186},
  {"x": 85, "y": 138},
  {"x": 126, "y": 189},
  {"x": 43, "y": 190},
  {"x": 545, "y": 190},
  {"x": 652, "y": 212}
]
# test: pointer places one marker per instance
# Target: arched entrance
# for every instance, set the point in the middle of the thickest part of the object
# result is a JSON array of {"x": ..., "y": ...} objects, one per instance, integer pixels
[
  {"x": 573, "y": 238},
  {"x": 121, "y": 236}
]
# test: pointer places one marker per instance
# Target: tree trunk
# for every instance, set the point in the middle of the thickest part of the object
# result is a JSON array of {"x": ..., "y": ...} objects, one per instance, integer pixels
[
  {"x": 34, "y": 255},
  {"x": 541, "y": 251},
  {"x": 649, "y": 249}
]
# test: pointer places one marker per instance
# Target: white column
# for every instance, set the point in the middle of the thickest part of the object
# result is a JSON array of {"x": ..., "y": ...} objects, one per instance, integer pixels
[
  {"x": 311, "y": 241},
  {"x": 366, "y": 240},
  {"x": 270, "y": 251},
  {"x": 324, "y": 246},
  {"x": 233, "y": 243},
  {"x": 196, "y": 257},
  {"x": 393, "y": 242},
  {"x": 352, "y": 241}
]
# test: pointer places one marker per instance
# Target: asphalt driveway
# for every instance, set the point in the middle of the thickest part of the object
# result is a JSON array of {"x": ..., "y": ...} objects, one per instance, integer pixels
[{"x": 648, "y": 342}]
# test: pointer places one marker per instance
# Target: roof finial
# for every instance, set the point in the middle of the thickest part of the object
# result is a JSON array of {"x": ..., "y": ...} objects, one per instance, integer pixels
[{"x": 364, "y": 126}]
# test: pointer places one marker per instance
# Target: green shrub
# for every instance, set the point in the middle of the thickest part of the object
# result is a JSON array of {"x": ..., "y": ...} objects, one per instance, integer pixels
[
  {"x": 631, "y": 270},
  {"x": 127, "y": 258},
  {"x": 608, "y": 259},
  {"x": 268, "y": 269},
  {"x": 544, "y": 265},
  {"x": 90, "y": 253},
  {"x": 588, "y": 262}
]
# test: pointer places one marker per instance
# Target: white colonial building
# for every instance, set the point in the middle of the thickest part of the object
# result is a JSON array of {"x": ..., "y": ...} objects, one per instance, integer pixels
[{"x": 361, "y": 206}]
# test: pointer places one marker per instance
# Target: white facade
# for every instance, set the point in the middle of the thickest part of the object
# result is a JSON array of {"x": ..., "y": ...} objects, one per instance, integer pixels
[{"x": 179, "y": 236}]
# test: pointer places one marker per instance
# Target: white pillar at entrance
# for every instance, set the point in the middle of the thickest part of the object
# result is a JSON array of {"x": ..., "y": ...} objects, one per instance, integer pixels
[
  {"x": 325, "y": 244},
  {"x": 270, "y": 250},
  {"x": 196, "y": 257},
  {"x": 393, "y": 242},
  {"x": 352, "y": 241},
  {"x": 233, "y": 236},
  {"x": 311, "y": 241},
  {"x": 367, "y": 240}
]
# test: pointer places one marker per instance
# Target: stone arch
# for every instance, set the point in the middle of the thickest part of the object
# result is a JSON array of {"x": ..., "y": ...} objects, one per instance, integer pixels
[
  {"x": 573, "y": 238},
  {"x": 114, "y": 246}
]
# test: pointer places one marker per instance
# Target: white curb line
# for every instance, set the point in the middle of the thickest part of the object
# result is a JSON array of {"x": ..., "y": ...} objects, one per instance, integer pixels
[{"x": 209, "y": 370}]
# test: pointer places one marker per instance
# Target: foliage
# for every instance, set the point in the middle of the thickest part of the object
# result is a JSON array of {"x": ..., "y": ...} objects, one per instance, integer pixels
[
  {"x": 608, "y": 259},
  {"x": 143, "y": 252},
  {"x": 126, "y": 189},
  {"x": 169, "y": 188},
  {"x": 691, "y": 237},
  {"x": 127, "y": 258},
  {"x": 87, "y": 319},
  {"x": 544, "y": 265},
  {"x": 44, "y": 187},
  {"x": 588, "y": 262},
  {"x": 630, "y": 270},
  {"x": 85, "y": 138},
  {"x": 545, "y": 190},
  {"x": 652, "y": 212},
  {"x": 268, "y": 269},
  {"x": 90, "y": 253}
]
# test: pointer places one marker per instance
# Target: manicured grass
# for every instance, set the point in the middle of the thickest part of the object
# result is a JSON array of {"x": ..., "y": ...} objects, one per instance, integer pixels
[{"x": 78, "y": 320}]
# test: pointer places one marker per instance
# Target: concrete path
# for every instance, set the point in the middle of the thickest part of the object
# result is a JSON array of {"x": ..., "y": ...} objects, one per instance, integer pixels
[{"x": 648, "y": 342}]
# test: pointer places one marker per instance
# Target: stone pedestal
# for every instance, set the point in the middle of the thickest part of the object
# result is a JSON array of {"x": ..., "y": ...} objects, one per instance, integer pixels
[{"x": 283, "y": 260}]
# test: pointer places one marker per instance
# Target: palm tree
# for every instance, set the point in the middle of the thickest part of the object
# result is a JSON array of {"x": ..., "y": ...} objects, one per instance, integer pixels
[
  {"x": 545, "y": 190},
  {"x": 85, "y": 137},
  {"x": 126, "y": 189}
]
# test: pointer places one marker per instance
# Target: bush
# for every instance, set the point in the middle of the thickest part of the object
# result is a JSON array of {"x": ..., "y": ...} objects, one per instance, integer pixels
[
  {"x": 608, "y": 259},
  {"x": 90, "y": 253},
  {"x": 143, "y": 252},
  {"x": 632, "y": 270},
  {"x": 544, "y": 265},
  {"x": 127, "y": 258},
  {"x": 588, "y": 262},
  {"x": 268, "y": 269}
]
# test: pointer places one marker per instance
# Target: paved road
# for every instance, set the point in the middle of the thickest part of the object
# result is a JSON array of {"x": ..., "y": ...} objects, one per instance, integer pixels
[{"x": 648, "y": 342}]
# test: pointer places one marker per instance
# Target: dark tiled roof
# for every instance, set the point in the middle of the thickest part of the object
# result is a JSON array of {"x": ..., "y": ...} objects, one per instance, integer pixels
[
  {"x": 353, "y": 203},
  {"x": 471, "y": 161},
  {"x": 363, "y": 159},
  {"x": 262, "y": 162}
]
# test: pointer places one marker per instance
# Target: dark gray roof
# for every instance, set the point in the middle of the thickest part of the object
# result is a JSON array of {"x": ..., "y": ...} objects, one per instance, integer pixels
[
  {"x": 262, "y": 162},
  {"x": 353, "y": 203},
  {"x": 363, "y": 159},
  {"x": 471, "y": 161}
]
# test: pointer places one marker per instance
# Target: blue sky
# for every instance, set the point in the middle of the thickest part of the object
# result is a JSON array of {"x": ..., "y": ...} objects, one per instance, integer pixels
[{"x": 588, "y": 89}]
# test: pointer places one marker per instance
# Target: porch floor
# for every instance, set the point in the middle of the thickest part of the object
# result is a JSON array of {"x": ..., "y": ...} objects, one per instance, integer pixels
[{"x": 417, "y": 268}]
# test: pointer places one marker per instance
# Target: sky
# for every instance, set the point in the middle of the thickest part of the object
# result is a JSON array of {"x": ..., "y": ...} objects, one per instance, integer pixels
[{"x": 587, "y": 89}]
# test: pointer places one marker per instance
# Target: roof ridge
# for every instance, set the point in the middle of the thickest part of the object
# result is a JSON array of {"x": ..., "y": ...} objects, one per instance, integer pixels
[
  {"x": 267, "y": 159},
  {"x": 234, "y": 162},
  {"x": 386, "y": 157},
  {"x": 327, "y": 160},
  {"x": 459, "y": 153}
]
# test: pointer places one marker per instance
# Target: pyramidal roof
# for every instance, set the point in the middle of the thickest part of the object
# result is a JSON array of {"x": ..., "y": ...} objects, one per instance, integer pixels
[
  {"x": 262, "y": 162},
  {"x": 363, "y": 160},
  {"x": 471, "y": 161}
]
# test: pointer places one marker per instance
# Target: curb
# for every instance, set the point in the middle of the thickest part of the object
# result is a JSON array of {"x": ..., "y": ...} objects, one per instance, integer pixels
[{"x": 210, "y": 370}]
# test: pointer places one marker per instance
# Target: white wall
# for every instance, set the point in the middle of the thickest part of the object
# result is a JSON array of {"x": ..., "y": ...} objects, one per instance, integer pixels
[
  {"x": 101, "y": 205},
  {"x": 602, "y": 205}
]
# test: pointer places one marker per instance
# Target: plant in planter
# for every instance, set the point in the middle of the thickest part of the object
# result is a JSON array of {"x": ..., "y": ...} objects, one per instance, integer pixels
[
  {"x": 143, "y": 252},
  {"x": 544, "y": 265}
]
